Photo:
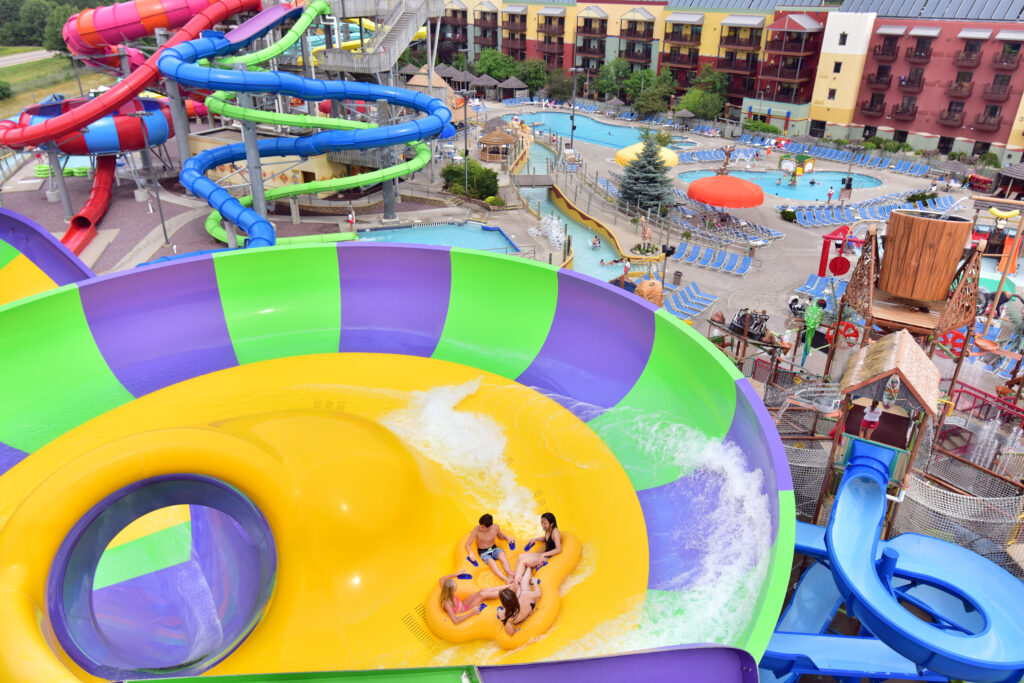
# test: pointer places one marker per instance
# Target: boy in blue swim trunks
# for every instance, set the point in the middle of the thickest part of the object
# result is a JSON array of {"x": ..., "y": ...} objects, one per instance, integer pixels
[{"x": 482, "y": 538}]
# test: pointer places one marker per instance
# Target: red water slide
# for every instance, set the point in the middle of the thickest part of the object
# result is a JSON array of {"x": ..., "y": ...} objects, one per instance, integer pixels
[
  {"x": 69, "y": 124},
  {"x": 83, "y": 225}
]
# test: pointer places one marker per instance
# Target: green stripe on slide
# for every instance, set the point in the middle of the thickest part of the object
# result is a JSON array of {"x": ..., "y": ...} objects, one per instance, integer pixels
[
  {"x": 687, "y": 381},
  {"x": 48, "y": 352},
  {"x": 279, "y": 302},
  {"x": 773, "y": 591},
  {"x": 150, "y": 553},
  {"x": 448, "y": 675},
  {"x": 512, "y": 312},
  {"x": 7, "y": 253}
]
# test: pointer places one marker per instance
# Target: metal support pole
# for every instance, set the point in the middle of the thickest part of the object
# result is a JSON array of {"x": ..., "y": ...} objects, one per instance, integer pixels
[
  {"x": 252, "y": 154},
  {"x": 179, "y": 115},
  {"x": 387, "y": 188},
  {"x": 58, "y": 175},
  {"x": 74, "y": 62}
]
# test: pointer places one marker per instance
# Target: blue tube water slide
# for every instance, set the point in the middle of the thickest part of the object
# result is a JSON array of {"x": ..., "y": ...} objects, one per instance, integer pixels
[
  {"x": 976, "y": 634},
  {"x": 179, "y": 63}
]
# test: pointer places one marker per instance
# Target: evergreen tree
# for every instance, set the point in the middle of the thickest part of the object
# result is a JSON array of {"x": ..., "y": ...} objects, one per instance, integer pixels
[{"x": 645, "y": 182}]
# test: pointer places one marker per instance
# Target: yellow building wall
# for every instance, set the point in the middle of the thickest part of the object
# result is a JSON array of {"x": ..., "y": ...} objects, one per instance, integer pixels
[
  {"x": 1015, "y": 142},
  {"x": 846, "y": 84}
]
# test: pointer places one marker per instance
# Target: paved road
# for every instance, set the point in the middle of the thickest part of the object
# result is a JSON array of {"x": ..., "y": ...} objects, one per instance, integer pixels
[{"x": 25, "y": 57}]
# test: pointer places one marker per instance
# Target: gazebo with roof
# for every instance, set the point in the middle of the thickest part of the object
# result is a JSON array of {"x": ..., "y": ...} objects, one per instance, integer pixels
[
  {"x": 495, "y": 145},
  {"x": 487, "y": 82},
  {"x": 513, "y": 87}
]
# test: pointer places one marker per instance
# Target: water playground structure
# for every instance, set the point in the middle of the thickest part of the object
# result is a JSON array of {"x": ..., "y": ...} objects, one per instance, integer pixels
[{"x": 259, "y": 461}]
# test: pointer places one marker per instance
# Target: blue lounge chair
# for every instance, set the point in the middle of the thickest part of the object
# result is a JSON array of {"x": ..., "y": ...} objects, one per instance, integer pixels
[
  {"x": 874, "y": 162},
  {"x": 801, "y": 219},
  {"x": 706, "y": 295},
  {"x": 705, "y": 259},
  {"x": 719, "y": 260},
  {"x": 691, "y": 294},
  {"x": 731, "y": 263},
  {"x": 744, "y": 139},
  {"x": 932, "y": 204},
  {"x": 694, "y": 253},
  {"x": 743, "y": 267}
]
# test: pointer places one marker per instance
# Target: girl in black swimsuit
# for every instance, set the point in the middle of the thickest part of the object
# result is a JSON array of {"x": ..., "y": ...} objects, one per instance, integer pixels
[{"x": 552, "y": 539}]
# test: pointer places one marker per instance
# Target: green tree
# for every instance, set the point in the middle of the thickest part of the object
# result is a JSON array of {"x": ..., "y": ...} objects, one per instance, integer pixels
[
  {"x": 533, "y": 73},
  {"x": 989, "y": 159},
  {"x": 662, "y": 137},
  {"x": 559, "y": 85},
  {"x": 612, "y": 76},
  {"x": 483, "y": 182},
  {"x": 702, "y": 104},
  {"x": 645, "y": 181},
  {"x": 495, "y": 64},
  {"x": 652, "y": 101},
  {"x": 6, "y": 91},
  {"x": 32, "y": 17},
  {"x": 711, "y": 81},
  {"x": 53, "y": 38}
]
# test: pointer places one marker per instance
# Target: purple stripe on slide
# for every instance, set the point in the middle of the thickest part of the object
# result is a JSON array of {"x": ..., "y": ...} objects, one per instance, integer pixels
[
  {"x": 680, "y": 665},
  {"x": 754, "y": 432},
  {"x": 262, "y": 22},
  {"x": 42, "y": 248},
  {"x": 9, "y": 457},
  {"x": 679, "y": 517},
  {"x": 597, "y": 347},
  {"x": 160, "y": 326},
  {"x": 394, "y": 297}
]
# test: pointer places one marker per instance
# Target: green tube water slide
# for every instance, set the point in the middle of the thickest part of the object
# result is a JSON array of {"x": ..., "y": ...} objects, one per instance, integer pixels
[{"x": 220, "y": 103}]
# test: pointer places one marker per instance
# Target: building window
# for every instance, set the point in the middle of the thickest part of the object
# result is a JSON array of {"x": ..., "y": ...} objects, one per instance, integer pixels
[
  {"x": 842, "y": 38},
  {"x": 899, "y": 135},
  {"x": 831, "y": 93},
  {"x": 837, "y": 67}
]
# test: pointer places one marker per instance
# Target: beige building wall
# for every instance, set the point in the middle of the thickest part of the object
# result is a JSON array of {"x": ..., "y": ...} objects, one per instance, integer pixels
[{"x": 857, "y": 28}]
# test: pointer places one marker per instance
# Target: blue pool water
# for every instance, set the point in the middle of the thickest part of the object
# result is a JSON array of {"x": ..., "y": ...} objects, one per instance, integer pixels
[
  {"x": 803, "y": 191},
  {"x": 538, "y": 161},
  {"x": 587, "y": 259},
  {"x": 590, "y": 130},
  {"x": 469, "y": 235}
]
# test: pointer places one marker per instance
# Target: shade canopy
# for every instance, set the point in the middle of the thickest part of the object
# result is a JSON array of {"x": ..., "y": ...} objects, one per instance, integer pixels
[
  {"x": 409, "y": 70},
  {"x": 496, "y": 137},
  {"x": 1016, "y": 171},
  {"x": 726, "y": 191},
  {"x": 513, "y": 83},
  {"x": 485, "y": 80},
  {"x": 684, "y": 114},
  {"x": 592, "y": 12},
  {"x": 615, "y": 102},
  {"x": 693, "y": 18},
  {"x": 797, "y": 23},
  {"x": 627, "y": 154},
  {"x": 954, "y": 166}
]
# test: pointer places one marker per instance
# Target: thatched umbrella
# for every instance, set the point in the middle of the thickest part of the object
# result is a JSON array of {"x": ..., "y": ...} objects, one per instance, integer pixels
[
  {"x": 684, "y": 114},
  {"x": 953, "y": 166},
  {"x": 615, "y": 102},
  {"x": 486, "y": 82},
  {"x": 514, "y": 84}
]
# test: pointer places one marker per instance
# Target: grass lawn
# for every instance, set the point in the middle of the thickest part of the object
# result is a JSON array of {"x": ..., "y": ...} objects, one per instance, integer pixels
[
  {"x": 36, "y": 80},
  {"x": 7, "y": 50}
]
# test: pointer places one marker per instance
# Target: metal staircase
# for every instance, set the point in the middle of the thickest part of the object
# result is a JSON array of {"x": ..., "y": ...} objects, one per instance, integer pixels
[{"x": 403, "y": 18}]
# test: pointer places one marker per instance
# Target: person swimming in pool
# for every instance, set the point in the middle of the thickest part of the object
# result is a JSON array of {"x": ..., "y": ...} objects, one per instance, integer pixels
[
  {"x": 459, "y": 610},
  {"x": 552, "y": 539},
  {"x": 484, "y": 536},
  {"x": 515, "y": 609}
]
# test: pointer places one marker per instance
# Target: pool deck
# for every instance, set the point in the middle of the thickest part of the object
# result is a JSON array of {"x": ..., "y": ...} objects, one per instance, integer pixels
[{"x": 131, "y": 232}]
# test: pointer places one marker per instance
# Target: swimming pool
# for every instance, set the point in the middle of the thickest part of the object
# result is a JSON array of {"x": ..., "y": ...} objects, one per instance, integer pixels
[
  {"x": 590, "y": 130},
  {"x": 469, "y": 235},
  {"x": 768, "y": 180}
]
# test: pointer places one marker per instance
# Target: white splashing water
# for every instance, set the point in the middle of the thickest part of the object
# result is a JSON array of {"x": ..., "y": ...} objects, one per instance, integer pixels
[
  {"x": 715, "y": 600},
  {"x": 471, "y": 446}
]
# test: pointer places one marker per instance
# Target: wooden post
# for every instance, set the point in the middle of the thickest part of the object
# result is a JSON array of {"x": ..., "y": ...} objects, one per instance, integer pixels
[{"x": 836, "y": 438}]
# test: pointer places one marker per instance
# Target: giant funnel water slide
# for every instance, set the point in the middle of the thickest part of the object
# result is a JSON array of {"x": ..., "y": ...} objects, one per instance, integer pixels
[
  {"x": 976, "y": 632},
  {"x": 305, "y": 433},
  {"x": 186, "y": 64},
  {"x": 32, "y": 261}
]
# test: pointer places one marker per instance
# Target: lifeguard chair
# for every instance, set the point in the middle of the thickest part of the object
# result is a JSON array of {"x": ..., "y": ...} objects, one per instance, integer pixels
[{"x": 926, "y": 282}]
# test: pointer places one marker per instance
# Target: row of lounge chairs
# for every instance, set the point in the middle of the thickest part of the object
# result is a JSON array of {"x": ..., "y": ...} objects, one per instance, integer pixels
[
  {"x": 824, "y": 216},
  {"x": 685, "y": 302},
  {"x": 714, "y": 259},
  {"x": 860, "y": 159},
  {"x": 707, "y": 131},
  {"x": 817, "y": 286},
  {"x": 713, "y": 155}
]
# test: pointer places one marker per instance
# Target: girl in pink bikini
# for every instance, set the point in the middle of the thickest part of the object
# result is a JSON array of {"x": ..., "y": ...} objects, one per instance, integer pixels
[{"x": 459, "y": 610}]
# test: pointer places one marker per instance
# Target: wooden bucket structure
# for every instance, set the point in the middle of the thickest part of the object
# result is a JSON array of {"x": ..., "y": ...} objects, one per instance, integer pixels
[{"x": 922, "y": 255}]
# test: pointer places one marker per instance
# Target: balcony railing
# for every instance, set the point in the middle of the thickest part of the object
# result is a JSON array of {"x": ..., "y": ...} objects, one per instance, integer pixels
[
  {"x": 915, "y": 56},
  {"x": 879, "y": 81},
  {"x": 885, "y": 54},
  {"x": 868, "y": 108},
  {"x": 789, "y": 75},
  {"x": 740, "y": 43},
  {"x": 515, "y": 26},
  {"x": 487, "y": 41},
  {"x": 485, "y": 23},
  {"x": 903, "y": 113},
  {"x": 954, "y": 119},
  {"x": 551, "y": 29},
  {"x": 454, "y": 21},
  {"x": 684, "y": 59},
  {"x": 736, "y": 66},
  {"x": 791, "y": 47},
  {"x": 637, "y": 33},
  {"x": 1006, "y": 61},
  {"x": 457, "y": 37},
  {"x": 588, "y": 51},
  {"x": 514, "y": 43},
  {"x": 683, "y": 38},
  {"x": 910, "y": 85},
  {"x": 634, "y": 56},
  {"x": 968, "y": 59},
  {"x": 996, "y": 93},
  {"x": 989, "y": 123},
  {"x": 593, "y": 30},
  {"x": 959, "y": 89},
  {"x": 551, "y": 48}
]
